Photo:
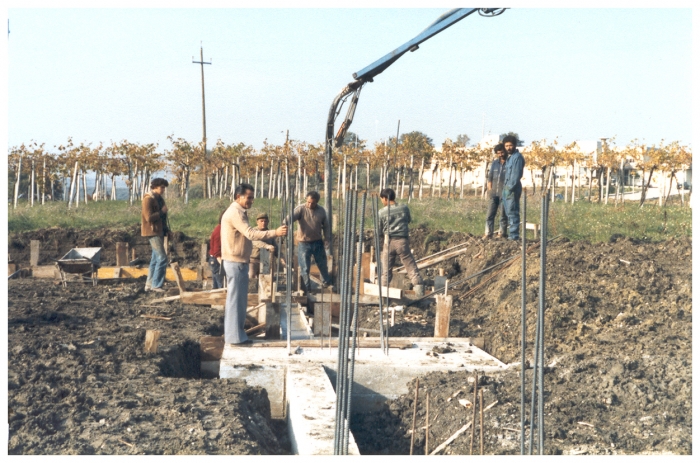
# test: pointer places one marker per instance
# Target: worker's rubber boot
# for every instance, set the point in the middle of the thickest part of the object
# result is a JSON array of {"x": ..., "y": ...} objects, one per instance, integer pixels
[{"x": 418, "y": 289}]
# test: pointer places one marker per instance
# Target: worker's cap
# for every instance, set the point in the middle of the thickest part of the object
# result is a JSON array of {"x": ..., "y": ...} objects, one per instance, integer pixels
[{"x": 262, "y": 215}]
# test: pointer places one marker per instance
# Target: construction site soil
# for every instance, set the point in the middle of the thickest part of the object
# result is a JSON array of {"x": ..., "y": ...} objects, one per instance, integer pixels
[{"x": 618, "y": 377}]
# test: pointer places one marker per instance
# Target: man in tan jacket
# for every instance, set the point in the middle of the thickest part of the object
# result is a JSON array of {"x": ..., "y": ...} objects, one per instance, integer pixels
[
  {"x": 154, "y": 225},
  {"x": 236, "y": 246}
]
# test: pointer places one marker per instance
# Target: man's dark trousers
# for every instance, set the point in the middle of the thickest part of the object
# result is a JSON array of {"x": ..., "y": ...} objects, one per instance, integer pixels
[
  {"x": 496, "y": 204},
  {"x": 512, "y": 206},
  {"x": 304, "y": 252}
]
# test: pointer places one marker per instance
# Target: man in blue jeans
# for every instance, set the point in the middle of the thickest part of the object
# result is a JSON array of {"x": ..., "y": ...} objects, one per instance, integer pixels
[
  {"x": 496, "y": 181},
  {"x": 154, "y": 220},
  {"x": 312, "y": 236},
  {"x": 513, "y": 188}
]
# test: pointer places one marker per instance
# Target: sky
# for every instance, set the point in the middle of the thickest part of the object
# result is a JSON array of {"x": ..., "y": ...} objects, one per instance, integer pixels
[{"x": 109, "y": 74}]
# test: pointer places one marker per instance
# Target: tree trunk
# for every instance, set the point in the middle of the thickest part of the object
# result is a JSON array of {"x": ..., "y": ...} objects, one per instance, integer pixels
[
  {"x": 645, "y": 187},
  {"x": 31, "y": 188},
  {"x": 43, "y": 183},
  {"x": 85, "y": 193},
  {"x": 607, "y": 185},
  {"x": 256, "y": 194},
  {"x": 420, "y": 179},
  {"x": 449, "y": 178},
  {"x": 662, "y": 188},
  {"x": 367, "y": 185},
  {"x": 590, "y": 183},
  {"x": 19, "y": 177}
]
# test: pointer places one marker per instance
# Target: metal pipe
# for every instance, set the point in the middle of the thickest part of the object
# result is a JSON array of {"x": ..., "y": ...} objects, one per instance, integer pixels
[
  {"x": 523, "y": 325},
  {"x": 481, "y": 420}
]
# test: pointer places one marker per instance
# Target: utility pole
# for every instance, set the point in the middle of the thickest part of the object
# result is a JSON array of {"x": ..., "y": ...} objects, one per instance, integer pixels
[{"x": 201, "y": 62}]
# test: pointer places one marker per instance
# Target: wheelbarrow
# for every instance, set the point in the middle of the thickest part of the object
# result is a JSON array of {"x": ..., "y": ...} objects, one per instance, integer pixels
[{"x": 80, "y": 261}]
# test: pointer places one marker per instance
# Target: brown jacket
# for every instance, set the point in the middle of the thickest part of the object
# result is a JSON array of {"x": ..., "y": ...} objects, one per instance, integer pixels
[
  {"x": 151, "y": 221},
  {"x": 237, "y": 234}
]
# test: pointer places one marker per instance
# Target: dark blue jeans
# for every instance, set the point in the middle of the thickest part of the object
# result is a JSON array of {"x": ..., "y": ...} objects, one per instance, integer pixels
[
  {"x": 512, "y": 206},
  {"x": 304, "y": 252},
  {"x": 159, "y": 263},
  {"x": 496, "y": 205},
  {"x": 217, "y": 273}
]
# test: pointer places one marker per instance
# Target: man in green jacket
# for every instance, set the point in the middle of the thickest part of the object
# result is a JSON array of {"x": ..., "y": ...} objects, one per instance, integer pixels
[{"x": 396, "y": 227}]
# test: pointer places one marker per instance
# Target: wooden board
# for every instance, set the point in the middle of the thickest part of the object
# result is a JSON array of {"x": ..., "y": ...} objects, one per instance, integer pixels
[
  {"x": 122, "y": 254},
  {"x": 211, "y": 348},
  {"x": 272, "y": 320},
  {"x": 46, "y": 271},
  {"x": 34, "y": 248},
  {"x": 423, "y": 263},
  {"x": 442, "y": 315},
  {"x": 136, "y": 272},
  {"x": 373, "y": 290}
]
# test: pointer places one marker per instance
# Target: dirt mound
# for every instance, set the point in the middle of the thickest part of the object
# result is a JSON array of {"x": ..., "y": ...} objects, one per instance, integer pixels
[
  {"x": 79, "y": 381},
  {"x": 618, "y": 336},
  {"x": 56, "y": 242}
]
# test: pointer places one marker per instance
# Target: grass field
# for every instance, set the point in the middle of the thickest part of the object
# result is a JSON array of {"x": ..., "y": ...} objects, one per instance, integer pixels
[{"x": 582, "y": 221}]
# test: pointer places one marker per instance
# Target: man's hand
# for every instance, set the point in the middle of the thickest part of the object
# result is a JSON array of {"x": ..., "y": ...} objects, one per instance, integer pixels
[
  {"x": 270, "y": 248},
  {"x": 281, "y": 231},
  {"x": 164, "y": 209},
  {"x": 488, "y": 186}
]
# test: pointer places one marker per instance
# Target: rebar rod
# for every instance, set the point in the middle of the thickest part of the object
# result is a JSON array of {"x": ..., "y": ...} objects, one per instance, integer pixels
[
  {"x": 339, "y": 382},
  {"x": 523, "y": 325},
  {"x": 378, "y": 270},
  {"x": 415, "y": 409},
  {"x": 387, "y": 243},
  {"x": 355, "y": 314},
  {"x": 540, "y": 317},
  {"x": 347, "y": 262},
  {"x": 476, "y": 386},
  {"x": 290, "y": 251}
]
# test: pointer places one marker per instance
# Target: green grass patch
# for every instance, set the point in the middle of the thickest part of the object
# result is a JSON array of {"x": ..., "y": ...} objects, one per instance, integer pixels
[{"x": 581, "y": 221}]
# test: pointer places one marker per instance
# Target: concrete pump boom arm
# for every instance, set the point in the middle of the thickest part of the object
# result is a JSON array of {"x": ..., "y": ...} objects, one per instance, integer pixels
[{"x": 367, "y": 75}]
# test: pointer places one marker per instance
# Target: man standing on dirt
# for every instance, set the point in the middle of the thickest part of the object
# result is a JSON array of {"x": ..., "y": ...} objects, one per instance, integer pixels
[
  {"x": 513, "y": 188},
  {"x": 236, "y": 246},
  {"x": 496, "y": 181},
  {"x": 312, "y": 236},
  {"x": 395, "y": 222},
  {"x": 154, "y": 225},
  {"x": 269, "y": 243},
  {"x": 214, "y": 259}
]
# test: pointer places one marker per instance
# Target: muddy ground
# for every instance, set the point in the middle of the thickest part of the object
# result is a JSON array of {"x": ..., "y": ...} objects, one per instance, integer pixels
[{"x": 617, "y": 349}]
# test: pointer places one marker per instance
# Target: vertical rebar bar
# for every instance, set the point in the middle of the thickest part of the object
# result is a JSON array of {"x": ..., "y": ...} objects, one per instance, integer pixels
[
  {"x": 355, "y": 314},
  {"x": 387, "y": 243},
  {"x": 339, "y": 381},
  {"x": 523, "y": 326},
  {"x": 347, "y": 260},
  {"x": 290, "y": 256},
  {"x": 476, "y": 386},
  {"x": 481, "y": 420},
  {"x": 375, "y": 212},
  {"x": 540, "y": 317}
]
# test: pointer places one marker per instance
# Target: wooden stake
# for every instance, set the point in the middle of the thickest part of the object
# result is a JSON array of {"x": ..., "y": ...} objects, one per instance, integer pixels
[
  {"x": 481, "y": 420},
  {"x": 457, "y": 434},
  {"x": 413, "y": 426},
  {"x": 35, "y": 247},
  {"x": 155, "y": 317},
  {"x": 476, "y": 385},
  {"x": 152, "y": 340},
  {"x": 427, "y": 420},
  {"x": 122, "y": 254}
]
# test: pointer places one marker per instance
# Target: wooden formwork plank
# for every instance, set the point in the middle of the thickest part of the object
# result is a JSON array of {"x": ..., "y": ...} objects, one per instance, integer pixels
[
  {"x": 122, "y": 254},
  {"x": 442, "y": 315},
  {"x": 373, "y": 290},
  {"x": 34, "y": 250}
]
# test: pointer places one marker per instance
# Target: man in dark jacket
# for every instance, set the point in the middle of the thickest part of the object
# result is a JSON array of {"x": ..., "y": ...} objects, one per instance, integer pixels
[
  {"x": 393, "y": 222},
  {"x": 154, "y": 220},
  {"x": 496, "y": 181},
  {"x": 513, "y": 188}
]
